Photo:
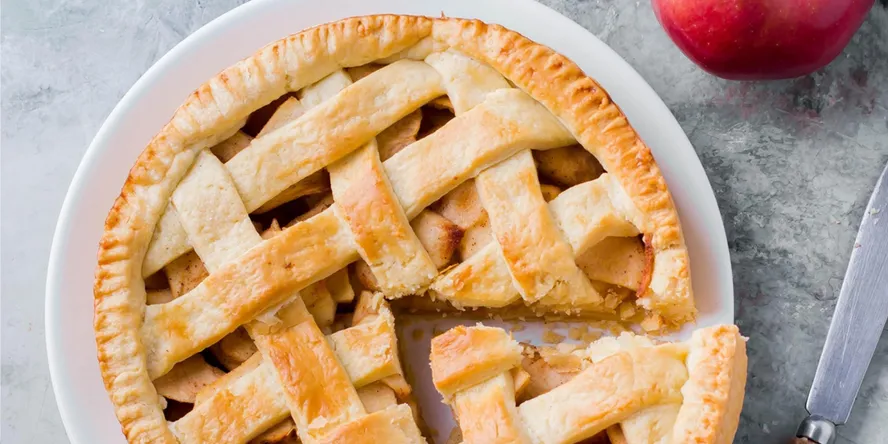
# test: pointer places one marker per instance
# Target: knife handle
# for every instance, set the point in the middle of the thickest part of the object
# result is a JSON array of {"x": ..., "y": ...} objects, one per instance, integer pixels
[{"x": 815, "y": 429}]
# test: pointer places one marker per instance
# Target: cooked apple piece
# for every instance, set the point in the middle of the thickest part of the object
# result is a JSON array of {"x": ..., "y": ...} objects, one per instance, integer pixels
[
  {"x": 234, "y": 349},
  {"x": 185, "y": 273},
  {"x": 316, "y": 183},
  {"x": 159, "y": 296},
  {"x": 316, "y": 205},
  {"x": 340, "y": 287},
  {"x": 475, "y": 238},
  {"x": 438, "y": 235},
  {"x": 186, "y": 379},
  {"x": 282, "y": 433},
  {"x": 462, "y": 206},
  {"x": 226, "y": 149},
  {"x": 615, "y": 260},
  {"x": 359, "y": 72},
  {"x": 399, "y": 135},
  {"x": 550, "y": 192},
  {"x": 442, "y": 102},
  {"x": 289, "y": 111},
  {"x": 365, "y": 276},
  {"x": 568, "y": 166},
  {"x": 377, "y": 396}
]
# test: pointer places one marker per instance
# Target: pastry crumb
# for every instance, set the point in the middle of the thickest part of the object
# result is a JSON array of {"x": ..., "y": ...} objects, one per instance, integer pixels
[
  {"x": 626, "y": 310},
  {"x": 551, "y": 337},
  {"x": 652, "y": 322},
  {"x": 576, "y": 333},
  {"x": 591, "y": 336}
]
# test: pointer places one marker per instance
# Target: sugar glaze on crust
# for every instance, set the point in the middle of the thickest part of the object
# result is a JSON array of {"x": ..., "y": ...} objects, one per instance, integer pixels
[{"x": 218, "y": 108}]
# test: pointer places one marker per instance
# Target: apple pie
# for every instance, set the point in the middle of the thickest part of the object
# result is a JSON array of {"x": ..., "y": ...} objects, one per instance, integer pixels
[{"x": 252, "y": 267}]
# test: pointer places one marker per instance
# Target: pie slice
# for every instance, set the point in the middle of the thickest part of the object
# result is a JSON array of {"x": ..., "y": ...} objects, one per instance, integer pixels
[
  {"x": 252, "y": 268},
  {"x": 629, "y": 388}
]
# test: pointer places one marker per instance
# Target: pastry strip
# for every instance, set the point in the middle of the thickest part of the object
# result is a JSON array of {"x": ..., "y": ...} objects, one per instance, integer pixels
[
  {"x": 365, "y": 202},
  {"x": 466, "y": 80},
  {"x": 312, "y": 250},
  {"x": 507, "y": 122},
  {"x": 715, "y": 389},
  {"x": 466, "y": 356},
  {"x": 319, "y": 393},
  {"x": 254, "y": 400},
  {"x": 605, "y": 393},
  {"x": 539, "y": 260},
  {"x": 382, "y": 232},
  {"x": 393, "y": 425},
  {"x": 319, "y": 137},
  {"x": 583, "y": 215},
  {"x": 330, "y": 130},
  {"x": 246, "y": 407},
  {"x": 318, "y": 389},
  {"x": 487, "y": 412}
]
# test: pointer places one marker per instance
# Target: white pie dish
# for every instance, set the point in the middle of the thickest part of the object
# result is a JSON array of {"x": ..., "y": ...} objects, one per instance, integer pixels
[{"x": 83, "y": 404}]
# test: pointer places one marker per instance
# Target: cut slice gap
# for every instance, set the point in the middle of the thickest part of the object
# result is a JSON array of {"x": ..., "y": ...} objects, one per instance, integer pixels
[{"x": 425, "y": 306}]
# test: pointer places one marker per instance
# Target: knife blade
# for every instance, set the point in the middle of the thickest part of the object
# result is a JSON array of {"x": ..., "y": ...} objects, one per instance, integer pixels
[{"x": 857, "y": 324}]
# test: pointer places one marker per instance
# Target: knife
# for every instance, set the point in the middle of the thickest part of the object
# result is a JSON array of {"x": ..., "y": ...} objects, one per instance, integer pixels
[{"x": 856, "y": 325}]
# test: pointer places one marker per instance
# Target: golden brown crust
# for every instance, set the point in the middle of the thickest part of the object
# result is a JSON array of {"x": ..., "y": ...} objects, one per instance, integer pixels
[
  {"x": 600, "y": 127},
  {"x": 583, "y": 106},
  {"x": 713, "y": 396},
  {"x": 463, "y": 357},
  {"x": 689, "y": 392},
  {"x": 216, "y": 110}
]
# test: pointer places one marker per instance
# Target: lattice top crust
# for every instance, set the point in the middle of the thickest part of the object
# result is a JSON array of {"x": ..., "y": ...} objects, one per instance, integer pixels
[
  {"x": 635, "y": 391},
  {"x": 188, "y": 201}
]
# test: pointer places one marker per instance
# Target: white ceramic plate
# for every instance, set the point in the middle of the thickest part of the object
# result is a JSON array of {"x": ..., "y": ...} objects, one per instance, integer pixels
[{"x": 83, "y": 404}]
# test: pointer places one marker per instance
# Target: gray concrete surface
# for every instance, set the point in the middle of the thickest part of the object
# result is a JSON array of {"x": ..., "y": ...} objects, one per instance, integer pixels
[{"x": 792, "y": 164}]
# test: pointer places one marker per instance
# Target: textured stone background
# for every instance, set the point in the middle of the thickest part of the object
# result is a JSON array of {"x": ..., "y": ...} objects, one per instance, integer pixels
[{"x": 792, "y": 164}]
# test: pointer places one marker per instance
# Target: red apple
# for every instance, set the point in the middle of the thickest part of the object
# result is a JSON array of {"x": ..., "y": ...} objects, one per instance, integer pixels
[{"x": 761, "y": 39}]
